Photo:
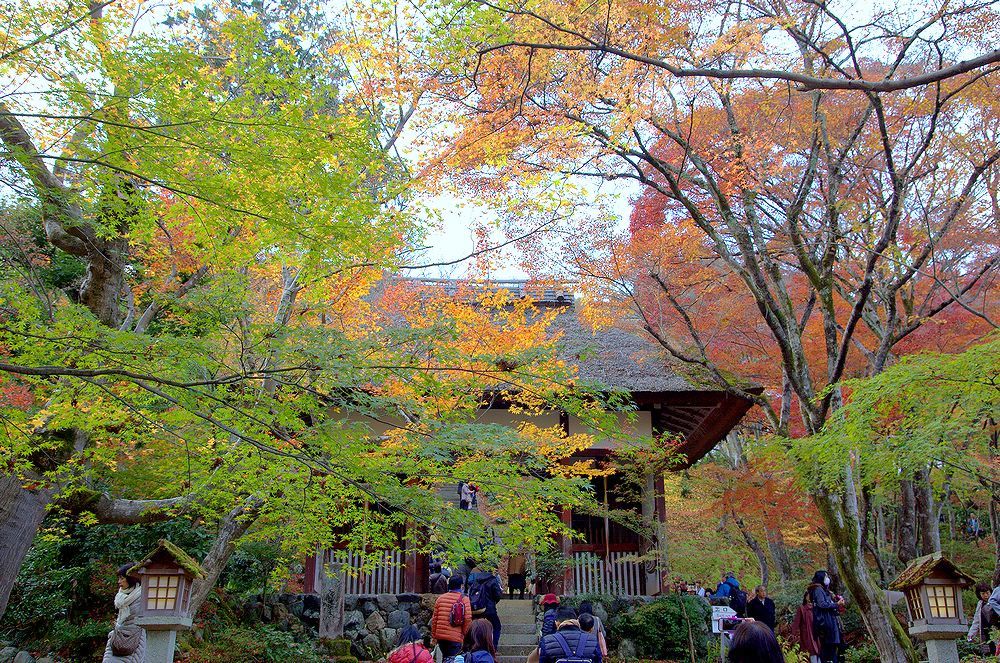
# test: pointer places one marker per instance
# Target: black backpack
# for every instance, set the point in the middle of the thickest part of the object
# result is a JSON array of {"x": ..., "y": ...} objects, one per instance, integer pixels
[
  {"x": 738, "y": 601},
  {"x": 479, "y": 595},
  {"x": 581, "y": 646}
]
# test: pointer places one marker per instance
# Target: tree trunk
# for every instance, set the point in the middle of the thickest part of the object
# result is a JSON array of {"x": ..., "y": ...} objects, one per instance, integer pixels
[
  {"x": 906, "y": 543},
  {"x": 21, "y": 514},
  {"x": 751, "y": 541},
  {"x": 779, "y": 553},
  {"x": 233, "y": 526},
  {"x": 840, "y": 514},
  {"x": 102, "y": 286},
  {"x": 926, "y": 513},
  {"x": 331, "y": 596}
]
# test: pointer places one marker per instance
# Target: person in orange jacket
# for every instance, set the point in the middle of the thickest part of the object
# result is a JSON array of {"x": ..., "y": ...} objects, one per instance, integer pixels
[{"x": 452, "y": 618}]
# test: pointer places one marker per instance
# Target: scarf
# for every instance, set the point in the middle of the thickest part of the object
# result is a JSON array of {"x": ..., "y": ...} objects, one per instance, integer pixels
[{"x": 124, "y": 600}]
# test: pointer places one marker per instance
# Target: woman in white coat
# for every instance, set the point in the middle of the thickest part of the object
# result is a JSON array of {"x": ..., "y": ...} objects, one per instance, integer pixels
[{"x": 127, "y": 642}]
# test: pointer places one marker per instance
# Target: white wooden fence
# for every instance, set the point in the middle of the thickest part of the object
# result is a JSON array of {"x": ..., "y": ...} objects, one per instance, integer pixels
[
  {"x": 615, "y": 576},
  {"x": 371, "y": 573}
]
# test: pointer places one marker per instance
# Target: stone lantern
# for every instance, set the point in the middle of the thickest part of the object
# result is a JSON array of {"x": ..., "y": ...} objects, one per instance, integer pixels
[
  {"x": 166, "y": 575},
  {"x": 933, "y": 589}
]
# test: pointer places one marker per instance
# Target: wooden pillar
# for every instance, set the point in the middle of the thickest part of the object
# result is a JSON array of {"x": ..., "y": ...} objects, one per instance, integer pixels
[
  {"x": 416, "y": 565},
  {"x": 661, "y": 531},
  {"x": 567, "y": 550},
  {"x": 655, "y": 547},
  {"x": 309, "y": 575},
  {"x": 566, "y": 542}
]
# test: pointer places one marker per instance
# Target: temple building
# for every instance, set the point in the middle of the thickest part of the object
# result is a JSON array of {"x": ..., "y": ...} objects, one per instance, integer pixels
[{"x": 603, "y": 559}]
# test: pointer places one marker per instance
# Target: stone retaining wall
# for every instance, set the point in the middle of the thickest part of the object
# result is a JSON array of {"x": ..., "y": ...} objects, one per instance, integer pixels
[{"x": 371, "y": 622}]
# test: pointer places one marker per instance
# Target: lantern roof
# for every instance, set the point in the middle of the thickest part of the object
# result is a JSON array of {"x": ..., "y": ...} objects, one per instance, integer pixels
[
  {"x": 165, "y": 548},
  {"x": 924, "y": 567}
]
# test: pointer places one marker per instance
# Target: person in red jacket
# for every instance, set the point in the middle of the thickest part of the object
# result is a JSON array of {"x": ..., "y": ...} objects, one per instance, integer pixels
[
  {"x": 410, "y": 648},
  {"x": 802, "y": 630},
  {"x": 450, "y": 636}
]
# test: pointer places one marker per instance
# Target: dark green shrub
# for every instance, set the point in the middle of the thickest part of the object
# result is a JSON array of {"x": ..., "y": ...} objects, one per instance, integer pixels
[
  {"x": 615, "y": 607},
  {"x": 77, "y": 642},
  {"x": 345, "y": 659},
  {"x": 44, "y": 589},
  {"x": 862, "y": 653},
  {"x": 250, "y": 567},
  {"x": 666, "y": 629},
  {"x": 245, "y": 644}
]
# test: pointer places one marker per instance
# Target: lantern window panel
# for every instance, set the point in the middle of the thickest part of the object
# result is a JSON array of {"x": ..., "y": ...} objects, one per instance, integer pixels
[
  {"x": 941, "y": 600},
  {"x": 916, "y": 606},
  {"x": 162, "y": 592}
]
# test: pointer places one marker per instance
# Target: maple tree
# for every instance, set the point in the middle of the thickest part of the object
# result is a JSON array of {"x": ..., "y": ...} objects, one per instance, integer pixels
[
  {"x": 816, "y": 188},
  {"x": 192, "y": 311}
]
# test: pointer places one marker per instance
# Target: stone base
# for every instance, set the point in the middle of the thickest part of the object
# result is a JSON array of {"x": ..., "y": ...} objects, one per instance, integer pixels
[
  {"x": 160, "y": 646},
  {"x": 942, "y": 651}
]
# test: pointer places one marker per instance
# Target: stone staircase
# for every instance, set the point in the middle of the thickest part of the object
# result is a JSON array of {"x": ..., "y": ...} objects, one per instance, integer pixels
[{"x": 517, "y": 635}]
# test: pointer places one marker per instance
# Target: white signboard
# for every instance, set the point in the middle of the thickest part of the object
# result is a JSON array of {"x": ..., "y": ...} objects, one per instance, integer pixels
[{"x": 720, "y": 612}]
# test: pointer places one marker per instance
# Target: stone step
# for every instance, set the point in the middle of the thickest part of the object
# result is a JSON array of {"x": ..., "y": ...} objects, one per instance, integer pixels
[
  {"x": 517, "y": 639},
  {"x": 515, "y": 607},
  {"x": 518, "y": 628},
  {"x": 504, "y": 658},
  {"x": 516, "y": 650},
  {"x": 519, "y": 620},
  {"x": 516, "y": 617}
]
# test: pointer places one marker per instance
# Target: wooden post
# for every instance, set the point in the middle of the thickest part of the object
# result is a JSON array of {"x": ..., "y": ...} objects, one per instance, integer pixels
[
  {"x": 309, "y": 575},
  {"x": 653, "y": 513},
  {"x": 416, "y": 565},
  {"x": 567, "y": 551}
]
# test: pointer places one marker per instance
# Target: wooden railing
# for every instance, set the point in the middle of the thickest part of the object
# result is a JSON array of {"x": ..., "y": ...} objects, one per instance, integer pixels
[
  {"x": 372, "y": 573},
  {"x": 617, "y": 575}
]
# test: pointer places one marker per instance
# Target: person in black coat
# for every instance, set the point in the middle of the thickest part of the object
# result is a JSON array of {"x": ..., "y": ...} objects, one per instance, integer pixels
[
  {"x": 761, "y": 608},
  {"x": 569, "y": 641},
  {"x": 826, "y": 608},
  {"x": 487, "y": 585}
]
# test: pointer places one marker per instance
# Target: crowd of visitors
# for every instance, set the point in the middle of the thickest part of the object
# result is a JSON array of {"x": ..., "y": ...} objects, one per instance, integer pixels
[{"x": 466, "y": 627}]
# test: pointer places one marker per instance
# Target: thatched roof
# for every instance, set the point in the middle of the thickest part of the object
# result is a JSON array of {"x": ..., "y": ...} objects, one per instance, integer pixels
[
  {"x": 924, "y": 567},
  {"x": 615, "y": 357}
]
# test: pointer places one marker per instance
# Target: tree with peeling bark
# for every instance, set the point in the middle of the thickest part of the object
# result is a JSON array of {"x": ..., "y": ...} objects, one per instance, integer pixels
[
  {"x": 197, "y": 230},
  {"x": 829, "y": 177}
]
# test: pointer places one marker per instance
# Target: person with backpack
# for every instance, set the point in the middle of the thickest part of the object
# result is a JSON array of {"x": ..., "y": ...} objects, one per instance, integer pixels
[
  {"x": 569, "y": 644},
  {"x": 484, "y": 590},
  {"x": 464, "y": 496},
  {"x": 826, "y": 612},
  {"x": 730, "y": 588},
  {"x": 438, "y": 581},
  {"x": 410, "y": 648},
  {"x": 451, "y": 619}
]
